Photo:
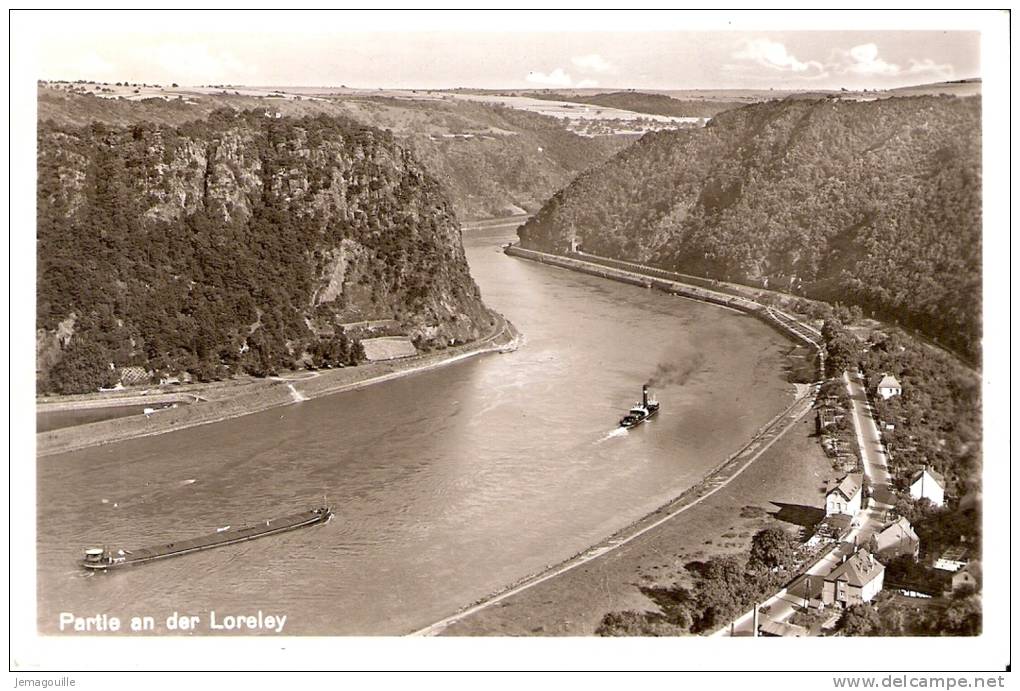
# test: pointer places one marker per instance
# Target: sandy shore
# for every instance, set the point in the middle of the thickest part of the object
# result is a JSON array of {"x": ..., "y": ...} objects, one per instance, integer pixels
[{"x": 220, "y": 401}]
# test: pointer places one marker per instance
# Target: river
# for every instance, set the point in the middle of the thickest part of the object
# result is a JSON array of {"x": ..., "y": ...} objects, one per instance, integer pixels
[{"x": 448, "y": 484}]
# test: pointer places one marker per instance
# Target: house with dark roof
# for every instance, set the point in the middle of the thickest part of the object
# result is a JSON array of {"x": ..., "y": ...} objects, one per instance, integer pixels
[
  {"x": 888, "y": 387},
  {"x": 894, "y": 540},
  {"x": 928, "y": 484},
  {"x": 844, "y": 495},
  {"x": 856, "y": 580}
]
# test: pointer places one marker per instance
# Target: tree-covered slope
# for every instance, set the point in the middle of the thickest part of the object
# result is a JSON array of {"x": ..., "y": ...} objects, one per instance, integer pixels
[
  {"x": 876, "y": 203},
  {"x": 237, "y": 242},
  {"x": 490, "y": 160}
]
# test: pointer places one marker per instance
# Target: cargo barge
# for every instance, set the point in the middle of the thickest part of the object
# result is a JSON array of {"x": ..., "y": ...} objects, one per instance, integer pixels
[{"x": 101, "y": 558}]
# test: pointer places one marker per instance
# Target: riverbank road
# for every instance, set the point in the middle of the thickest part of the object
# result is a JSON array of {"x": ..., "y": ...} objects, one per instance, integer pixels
[
  {"x": 783, "y": 604},
  {"x": 876, "y": 464}
]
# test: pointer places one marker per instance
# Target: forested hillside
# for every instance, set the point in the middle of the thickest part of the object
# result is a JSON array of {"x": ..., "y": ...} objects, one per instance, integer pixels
[
  {"x": 491, "y": 160},
  {"x": 237, "y": 242},
  {"x": 874, "y": 203}
]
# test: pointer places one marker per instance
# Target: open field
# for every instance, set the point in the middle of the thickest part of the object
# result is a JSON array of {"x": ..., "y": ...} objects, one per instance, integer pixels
[{"x": 388, "y": 348}]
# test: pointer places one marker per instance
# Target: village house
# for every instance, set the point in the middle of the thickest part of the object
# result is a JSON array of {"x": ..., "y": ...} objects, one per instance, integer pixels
[
  {"x": 894, "y": 540},
  {"x": 967, "y": 577},
  {"x": 179, "y": 378},
  {"x": 844, "y": 496},
  {"x": 928, "y": 484},
  {"x": 888, "y": 387},
  {"x": 857, "y": 580},
  {"x": 953, "y": 559}
]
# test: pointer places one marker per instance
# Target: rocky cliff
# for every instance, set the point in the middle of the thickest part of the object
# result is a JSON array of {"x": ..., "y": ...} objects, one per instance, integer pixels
[
  {"x": 490, "y": 161},
  {"x": 238, "y": 242}
]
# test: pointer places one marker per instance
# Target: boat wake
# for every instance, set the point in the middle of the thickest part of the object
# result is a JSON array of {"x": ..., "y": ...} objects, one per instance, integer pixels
[
  {"x": 147, "y": 495},
  {"x": 618, "y": 432}
]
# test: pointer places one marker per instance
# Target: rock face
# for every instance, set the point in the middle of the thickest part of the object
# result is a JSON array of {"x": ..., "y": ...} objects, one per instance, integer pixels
[
  {"x": 490, "y": 161},
  {"x": 876, "y": 203},
  {"x": 240, "y": 241}
]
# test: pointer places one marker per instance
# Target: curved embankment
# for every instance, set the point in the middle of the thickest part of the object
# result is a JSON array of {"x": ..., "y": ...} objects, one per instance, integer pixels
[
  {"x": 718, "y": 477},
  {"x": 647, "y": 277},
  {"x": 260, "y": 395}
]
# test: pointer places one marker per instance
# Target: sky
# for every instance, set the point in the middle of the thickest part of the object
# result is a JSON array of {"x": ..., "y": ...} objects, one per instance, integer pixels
[{"x": 478, "y": 53}]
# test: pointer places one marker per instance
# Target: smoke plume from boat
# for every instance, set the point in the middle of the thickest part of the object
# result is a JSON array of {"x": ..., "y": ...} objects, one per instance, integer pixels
[{"x": 675, "y": 374}]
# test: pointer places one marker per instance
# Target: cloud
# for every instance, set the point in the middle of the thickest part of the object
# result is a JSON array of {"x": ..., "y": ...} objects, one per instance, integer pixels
[
  {"x": 593, "y": 63},
  {"x": 929, "y": 66},
  {"x": 558, "y": 77},
  {"x": 772, "y": 54},
  {"x": 864, "y": 60},
  {"x": 860, "y": 64}
]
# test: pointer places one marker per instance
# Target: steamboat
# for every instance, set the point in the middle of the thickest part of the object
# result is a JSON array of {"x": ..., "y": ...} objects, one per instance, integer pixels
[{"x": 644, "y": 410}]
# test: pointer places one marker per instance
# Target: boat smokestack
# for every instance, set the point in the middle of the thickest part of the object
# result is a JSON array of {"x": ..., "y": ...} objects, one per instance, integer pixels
[{"x": 644, "y": 395}]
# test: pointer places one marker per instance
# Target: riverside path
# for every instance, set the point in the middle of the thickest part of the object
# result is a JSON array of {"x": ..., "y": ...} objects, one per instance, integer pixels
[{"x": 783, "y": 604}]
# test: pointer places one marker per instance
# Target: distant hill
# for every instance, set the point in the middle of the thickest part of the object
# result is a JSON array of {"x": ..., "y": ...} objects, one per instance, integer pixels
[
  {"x": 960, "y": 87},
  {"x": 491, "y": 160},
  {"x": 870, "y": 202},
  {"x": 642, "y": 102},
  {"x": 237, "y": 242}
]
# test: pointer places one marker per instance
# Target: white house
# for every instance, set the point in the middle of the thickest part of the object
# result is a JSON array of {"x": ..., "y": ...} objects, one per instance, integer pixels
[
  {"x": 888, "y": 387},
  {"x": 844, "y": 496},
  {"x": 928, "y": 484},
  {"x": 858, "y": 579}
]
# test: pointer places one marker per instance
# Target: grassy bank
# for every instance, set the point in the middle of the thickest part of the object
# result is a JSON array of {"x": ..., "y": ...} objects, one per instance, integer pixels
[{"x": 224, "y": 400}]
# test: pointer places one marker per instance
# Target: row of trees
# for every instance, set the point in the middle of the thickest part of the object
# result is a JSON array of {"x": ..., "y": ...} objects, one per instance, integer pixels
[{"x": 961, "y": 616}]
